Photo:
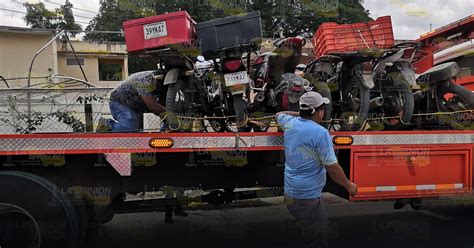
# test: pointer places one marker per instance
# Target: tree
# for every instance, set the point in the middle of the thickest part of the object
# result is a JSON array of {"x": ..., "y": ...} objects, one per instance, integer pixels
[
  {"x": 62, "y": 18},
  {"x": 304, "y": 16}
]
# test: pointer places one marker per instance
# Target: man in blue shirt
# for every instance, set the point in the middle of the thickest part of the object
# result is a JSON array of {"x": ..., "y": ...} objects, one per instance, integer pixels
[{"x": 309, "y": 155}]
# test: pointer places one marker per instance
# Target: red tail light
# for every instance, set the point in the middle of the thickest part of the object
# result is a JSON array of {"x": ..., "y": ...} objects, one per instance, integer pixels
[
  {"x": 233, "y": 65},
  {"x": 408, "y": 53}
]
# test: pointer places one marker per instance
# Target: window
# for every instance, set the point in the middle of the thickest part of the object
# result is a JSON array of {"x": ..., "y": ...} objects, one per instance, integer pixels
[
  {"x": 73, "y": 61},
  {"x": 110, "y": 69}
]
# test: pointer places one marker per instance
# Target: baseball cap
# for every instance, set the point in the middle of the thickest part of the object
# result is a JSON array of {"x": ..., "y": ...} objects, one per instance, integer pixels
[{"x": 312, "y": 100}]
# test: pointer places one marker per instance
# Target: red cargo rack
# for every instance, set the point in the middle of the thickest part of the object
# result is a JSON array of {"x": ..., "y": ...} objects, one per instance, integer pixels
[
  {"x": 331, "y": 37},
  {"x": 147, "y": 33}
]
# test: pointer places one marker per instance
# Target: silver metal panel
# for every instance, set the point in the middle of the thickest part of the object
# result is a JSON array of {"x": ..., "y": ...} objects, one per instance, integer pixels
[
  {"x": 61, "y": 144},
  {"x": 413, "y": 139}
]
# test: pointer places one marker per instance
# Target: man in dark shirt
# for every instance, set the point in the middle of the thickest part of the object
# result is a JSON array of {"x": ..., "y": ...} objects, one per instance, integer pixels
[{"x": 134, "y": 96}]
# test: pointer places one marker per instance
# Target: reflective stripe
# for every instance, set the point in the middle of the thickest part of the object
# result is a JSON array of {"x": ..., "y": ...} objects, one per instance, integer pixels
[
  {"x": 410, "y": 187},
  {"x": 425, "y": 187},
  {"x": 385, "y": 188},
  {"x": 413, "y": 139}
]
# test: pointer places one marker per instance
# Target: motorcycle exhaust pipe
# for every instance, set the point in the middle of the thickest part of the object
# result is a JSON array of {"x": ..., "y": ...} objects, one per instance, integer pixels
[{"x": 375, "y": 103}]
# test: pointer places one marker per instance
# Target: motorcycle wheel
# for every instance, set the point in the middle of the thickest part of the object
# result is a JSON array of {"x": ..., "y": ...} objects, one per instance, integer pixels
[
  {"x": 404, "y": 94},
  {"x": 177, "y": 104},
  {"x": 358, "y": 97},
  {"x": 323, "y": 89},
  {"x": 463, "y": 99},
  {"x": 231, "y": 124}
]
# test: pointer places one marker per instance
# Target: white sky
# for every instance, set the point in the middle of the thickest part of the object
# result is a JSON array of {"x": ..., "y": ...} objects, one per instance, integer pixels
[{"x": 410, "y": 18}]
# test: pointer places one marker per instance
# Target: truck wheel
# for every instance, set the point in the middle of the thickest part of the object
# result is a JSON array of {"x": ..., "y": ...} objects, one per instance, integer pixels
[
  {"x": 19, "y": 227},
  {"x": 57, "y": 218}
]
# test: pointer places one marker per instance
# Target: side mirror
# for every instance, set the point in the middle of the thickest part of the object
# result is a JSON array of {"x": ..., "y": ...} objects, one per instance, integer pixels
[{"x": 201, "y": 58}]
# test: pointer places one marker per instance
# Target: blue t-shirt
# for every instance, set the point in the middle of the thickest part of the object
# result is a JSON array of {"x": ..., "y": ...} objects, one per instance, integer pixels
[{"x": 308, "y": 149}]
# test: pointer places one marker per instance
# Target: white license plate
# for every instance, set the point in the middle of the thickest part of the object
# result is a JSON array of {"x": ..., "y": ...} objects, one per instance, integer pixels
[
  {"x": 155, "y": 30},
  {"x": 236, "y": 78}
]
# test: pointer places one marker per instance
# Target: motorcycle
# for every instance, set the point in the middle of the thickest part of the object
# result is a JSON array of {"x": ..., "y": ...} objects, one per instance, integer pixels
[
  {"x": 440, "y": 93},
  {"x": 226, "y": 91},
  {"x": 394, "y": 78},
  {"x": 274, "y": 83},
  {"x": 184, "y": 94},
  {"x": 346, "y": 79}
]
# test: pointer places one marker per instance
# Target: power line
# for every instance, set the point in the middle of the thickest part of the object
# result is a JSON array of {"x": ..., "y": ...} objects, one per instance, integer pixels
[
  {"x": 85, "y": 17},
  {"x": 21, "y": 12},
  {"x": 85, "y": 10}
]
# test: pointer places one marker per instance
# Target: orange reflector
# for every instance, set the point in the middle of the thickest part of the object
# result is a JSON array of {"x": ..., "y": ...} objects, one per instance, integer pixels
[
  {"x": 342, "y": 140},
  {"x": 161, "y": 143}
]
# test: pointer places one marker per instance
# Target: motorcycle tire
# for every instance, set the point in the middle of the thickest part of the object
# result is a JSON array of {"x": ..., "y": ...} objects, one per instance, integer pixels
[
  {"x": 464, "y": 95},
  {"x": 239, "y": 108},
  {"x": 404, "y": 89},
  {"x": 326, "y": 92},
  {"x": 363, "y": 111},
  {"x": 175, "y": 123}
]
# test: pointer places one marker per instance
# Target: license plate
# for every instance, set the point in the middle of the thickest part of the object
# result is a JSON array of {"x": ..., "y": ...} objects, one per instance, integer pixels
[
  {"x": 155, "y": 30},
  {"x": 236, "y": 78}
]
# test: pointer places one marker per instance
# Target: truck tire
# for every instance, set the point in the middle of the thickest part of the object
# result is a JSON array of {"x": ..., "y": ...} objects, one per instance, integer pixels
[{"x": 54, "y": 213}]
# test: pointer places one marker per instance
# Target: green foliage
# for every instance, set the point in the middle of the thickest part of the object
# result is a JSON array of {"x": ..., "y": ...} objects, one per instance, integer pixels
[{"x": 62, "y": 18}]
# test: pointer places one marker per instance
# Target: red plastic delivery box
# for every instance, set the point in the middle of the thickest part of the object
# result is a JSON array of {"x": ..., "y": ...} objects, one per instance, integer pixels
[{"x": 147, "y": 33}]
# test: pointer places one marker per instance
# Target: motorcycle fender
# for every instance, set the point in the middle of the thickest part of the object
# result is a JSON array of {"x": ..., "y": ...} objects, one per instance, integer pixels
[
  {"x": 172, "y": 76},
  {"x": 407, "y": 72}
]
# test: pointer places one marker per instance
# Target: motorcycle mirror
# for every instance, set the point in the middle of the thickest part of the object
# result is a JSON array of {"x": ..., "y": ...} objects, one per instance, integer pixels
[{"x": 201, "y": 58}]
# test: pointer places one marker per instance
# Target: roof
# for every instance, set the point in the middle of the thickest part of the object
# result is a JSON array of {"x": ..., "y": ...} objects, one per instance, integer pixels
[{"x": 10, "y": 29}]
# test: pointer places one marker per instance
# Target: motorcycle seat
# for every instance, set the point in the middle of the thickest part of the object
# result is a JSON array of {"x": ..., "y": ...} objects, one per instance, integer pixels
[{"x": 441, "y": 72}]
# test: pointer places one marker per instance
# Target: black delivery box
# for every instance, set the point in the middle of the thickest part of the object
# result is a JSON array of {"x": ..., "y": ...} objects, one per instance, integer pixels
[{"x": 242, "y": 31}]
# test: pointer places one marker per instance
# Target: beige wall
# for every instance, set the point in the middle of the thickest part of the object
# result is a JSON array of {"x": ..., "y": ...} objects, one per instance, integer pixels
[
  {"x": 90, "y": 67},
  {"x": 16, "y": 51}
]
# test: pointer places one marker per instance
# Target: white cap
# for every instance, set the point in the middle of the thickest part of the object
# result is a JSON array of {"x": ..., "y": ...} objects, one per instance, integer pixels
[{"x": 311, "y": 100}]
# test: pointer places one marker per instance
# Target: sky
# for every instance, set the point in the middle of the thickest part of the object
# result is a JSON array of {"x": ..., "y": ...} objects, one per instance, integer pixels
[{"x": 410, "y": 18}]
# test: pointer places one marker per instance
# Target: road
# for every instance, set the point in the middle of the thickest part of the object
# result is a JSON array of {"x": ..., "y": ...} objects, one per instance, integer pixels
[{"x": 447, "y": 223}]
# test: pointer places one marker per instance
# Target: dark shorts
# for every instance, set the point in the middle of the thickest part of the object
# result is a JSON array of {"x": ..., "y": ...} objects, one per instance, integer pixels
[{"x": 311, "y": 220}]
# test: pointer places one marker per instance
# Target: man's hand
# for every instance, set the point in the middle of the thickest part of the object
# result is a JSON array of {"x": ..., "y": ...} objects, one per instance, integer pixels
[
  {"x": 336, "y": 173},
  {"x": 152, "y": 105},
  {"x": 352, "y": 188}
]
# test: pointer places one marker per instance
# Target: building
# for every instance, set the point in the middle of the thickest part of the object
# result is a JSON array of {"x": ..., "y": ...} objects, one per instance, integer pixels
[{"x": 104, "y": 63}]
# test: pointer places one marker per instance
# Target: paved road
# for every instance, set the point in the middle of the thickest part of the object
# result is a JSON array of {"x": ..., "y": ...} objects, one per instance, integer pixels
[{"x": 363, "y": 224}]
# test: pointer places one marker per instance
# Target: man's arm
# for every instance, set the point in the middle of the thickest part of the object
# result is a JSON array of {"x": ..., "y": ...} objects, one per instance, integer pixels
[
  {"x": 152, "y": 105},
  {"x": 337, "y": 175},
  {"x": 292, "y": 113}
]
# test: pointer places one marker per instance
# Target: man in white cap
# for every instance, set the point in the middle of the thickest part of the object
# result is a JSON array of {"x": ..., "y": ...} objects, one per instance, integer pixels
[{"x": 309, "y": 154}]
